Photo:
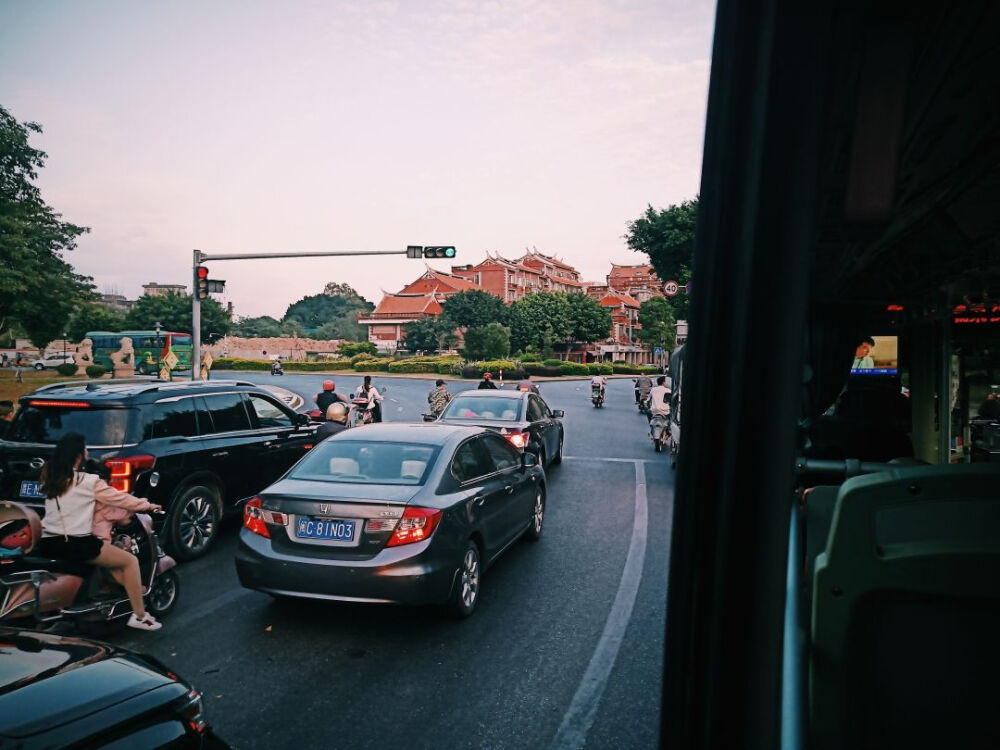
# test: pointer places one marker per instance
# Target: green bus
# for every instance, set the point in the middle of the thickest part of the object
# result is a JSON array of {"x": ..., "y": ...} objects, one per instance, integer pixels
[{"x": 150, "y": 347}]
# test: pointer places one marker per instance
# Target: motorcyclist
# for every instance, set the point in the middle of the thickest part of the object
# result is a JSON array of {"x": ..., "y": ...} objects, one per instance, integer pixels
[
  {"x": 527, "y": 385},
  {"x": 276, "y": 367},
  {"x": 487, "y": 383},
  {"x": 660, "y": 398},
  {"x": 336, "y": 420},
  {"x": 371, "y": 398},
  {"x": 642, "y": 386},
  {"x": 328, "y": 396},
  {"x": 599, "y": 383}
]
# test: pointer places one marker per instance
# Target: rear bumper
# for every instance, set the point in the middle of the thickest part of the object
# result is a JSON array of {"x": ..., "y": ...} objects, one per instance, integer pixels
[{"x": 412, "y": 574}]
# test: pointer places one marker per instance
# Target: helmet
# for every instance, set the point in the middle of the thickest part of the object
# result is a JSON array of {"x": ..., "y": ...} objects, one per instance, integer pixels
[
  {"x": 337, "y": 412},
  {"x": 327, "y": 385},
  {"x": 487, "y": 376}
]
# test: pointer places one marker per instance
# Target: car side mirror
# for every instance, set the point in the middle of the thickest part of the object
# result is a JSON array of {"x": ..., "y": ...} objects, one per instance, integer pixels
[
  {"x": 528, "y": 460},
  {"x": 558, "y": 413},
  {"x": 301, "y": 419}
]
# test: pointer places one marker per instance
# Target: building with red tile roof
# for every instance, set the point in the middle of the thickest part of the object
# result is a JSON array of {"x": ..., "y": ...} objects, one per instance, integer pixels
[
  {"x": 387, "y": 322},
  {"x": 639, "y": 281}
]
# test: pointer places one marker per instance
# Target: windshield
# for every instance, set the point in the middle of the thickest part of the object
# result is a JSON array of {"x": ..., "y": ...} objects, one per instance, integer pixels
[
  {"x": 478, "y": 407},
  {"x": 99, "y": 427},
  {"x": 364, "y": 462}
]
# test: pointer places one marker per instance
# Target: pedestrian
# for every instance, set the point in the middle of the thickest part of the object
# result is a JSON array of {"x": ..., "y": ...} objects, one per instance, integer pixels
[
  {"x": 526, "y": 384},
  {"x": 438, "y": 398},
  {"x": 487, "y": 383},
  {"x": 17, "y": 372},
  {"x": 6, "y": 417},
  {"x": 3, "y": 359},
  {"x": 328, "y": 396}
]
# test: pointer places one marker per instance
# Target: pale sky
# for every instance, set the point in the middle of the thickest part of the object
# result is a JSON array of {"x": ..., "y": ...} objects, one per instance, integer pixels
[{"x": 281, "y": 126}]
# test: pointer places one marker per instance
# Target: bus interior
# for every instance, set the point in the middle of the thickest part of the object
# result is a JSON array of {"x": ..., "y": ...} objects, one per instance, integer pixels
[{"x": 835, "y": 550}]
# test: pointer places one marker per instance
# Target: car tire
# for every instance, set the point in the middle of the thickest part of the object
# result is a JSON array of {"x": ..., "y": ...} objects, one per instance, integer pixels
[
  {"x": 466, "y": 590},
  {"x": 193, "y": 521},
  {"x": 163, "y": 597},
  {"x": 557, "y": 459},
  {"x": 537, "y": 516},
  {"x": 39, "y": 366}
]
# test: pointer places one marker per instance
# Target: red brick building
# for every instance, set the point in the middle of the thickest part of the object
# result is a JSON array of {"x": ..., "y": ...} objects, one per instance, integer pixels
[
  {"x": 387, "y": 322},
  {"x": 638, "y": 281}
]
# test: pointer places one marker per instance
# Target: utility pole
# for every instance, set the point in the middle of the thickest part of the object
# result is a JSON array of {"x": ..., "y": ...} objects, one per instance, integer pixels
[{"x": 412, "y": 251}]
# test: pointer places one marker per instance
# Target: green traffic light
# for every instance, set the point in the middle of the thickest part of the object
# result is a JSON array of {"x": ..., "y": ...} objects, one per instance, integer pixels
[{"x": 449, "y": 252}]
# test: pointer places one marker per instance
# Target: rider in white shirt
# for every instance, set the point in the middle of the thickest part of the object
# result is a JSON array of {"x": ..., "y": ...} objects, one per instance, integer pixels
[
  {"x": 599, "y": 381},
  {"x": 660, "y": 398}
]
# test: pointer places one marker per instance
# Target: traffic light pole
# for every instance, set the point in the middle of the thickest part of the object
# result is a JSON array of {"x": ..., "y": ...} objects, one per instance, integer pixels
[{"x": 200, "y": 257}]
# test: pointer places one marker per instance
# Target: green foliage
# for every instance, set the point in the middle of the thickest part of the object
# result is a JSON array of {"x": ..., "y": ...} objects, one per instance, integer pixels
[
  {"x": 406, "y": 365},
  {"x": 475, "y": 309},
  {"x": 353, "y": 349},
  {"x": 173, "y": 313},
  {"x": 429, "y": 334},
  {"x": 333, "y": 314},
  {"x": 539, "y": 320},
  {"x": 528, "y": 357},
  {"x": 38, "y": 288},
  {"x": 487, "y": 342},
  {"x": 649, "y": 370},
  {"x": 552, "y": 362},
  {"x": 666, "y": 237},
  {"x": 308, "y": 366},
  {"x": 600, "y": 368},
  {"x": 659, "y": 326},
  {"x": 261, "y": 327},
  {"x": 588, "y": 321},
  {"x": 574, "y": 368},
  {"x": 66, "y": 369},
  {"x": 232, "y": 363},
  {"x": 94, "y": 371},
  {"x": 94, "y": 317},
  {"x": 380, "y": 364},
  {"x": 623, "y": 369}
]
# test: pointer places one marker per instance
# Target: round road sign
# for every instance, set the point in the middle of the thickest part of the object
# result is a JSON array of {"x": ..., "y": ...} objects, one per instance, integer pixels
[{"x": 671, "y": 288}]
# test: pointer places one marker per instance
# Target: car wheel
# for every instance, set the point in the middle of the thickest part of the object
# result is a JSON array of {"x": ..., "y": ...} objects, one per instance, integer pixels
[
  {"x": 163, "y": 597},
  {"x": 537, "y": 516},
  {"x": 193, "y": 521},
  {"x": 39, "y": 366},
  {"x": 557, "y": 459},
  {"x": 465, "y": 593}
]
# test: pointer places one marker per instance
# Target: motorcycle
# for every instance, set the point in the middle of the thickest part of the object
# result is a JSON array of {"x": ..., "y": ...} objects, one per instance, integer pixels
[
  {"x": 360, "y": 415},
  {"x": 47, "y": 590},
  {"x": 659, "y": 431},
  {"x": 642, "y": 400},
  {"x": 597, "y": 396},
  {"x": 276, "y": 368}
]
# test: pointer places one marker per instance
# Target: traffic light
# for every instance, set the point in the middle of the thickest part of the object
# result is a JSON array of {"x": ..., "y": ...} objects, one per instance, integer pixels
[
  {"x": 444, "y": 251},
  {"x": 414, "y": 251},
  {"x": 201, "y": 282}
]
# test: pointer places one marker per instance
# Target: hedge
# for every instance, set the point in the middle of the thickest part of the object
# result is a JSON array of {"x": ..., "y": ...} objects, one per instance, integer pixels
[
  {"x": 312, "y": 366},
  {"x": 66, "y": 369},
  {"x": 649, "y": 370},
  {"x": 95, "y": 371},
  {"x": 600, "y": 368},
  {"x": 529, "y": 357},
  {"x": 623, "y": 369},
  {"x": 406, "y": 365},
  {"x": 231, "y": 363},
  {"x": 574, "y": 368},
  {"x": 377, "y": 365}
]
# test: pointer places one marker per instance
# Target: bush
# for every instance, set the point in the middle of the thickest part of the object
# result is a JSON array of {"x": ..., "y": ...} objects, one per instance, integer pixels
[
  {"x": 66, "y": 369},
  {"x": 373, "y": 365},
  {"x": 229, "y": 363},
  {"x": 529, "y": 357},
  {"x": 408, "y": 365},
  {"x": 649, "y": 370},
  {"x": 553, "y": 362},
  {"x": 574, "y": 368},
  {"x": 313, "y": 366},
  {"x": 353, "y": 348},
  {"x": 622, "y": 369},
  {"x": 600, "y": 368},
  {"x": 93, "y": 371},
  {"x": 476, "y": 371}
]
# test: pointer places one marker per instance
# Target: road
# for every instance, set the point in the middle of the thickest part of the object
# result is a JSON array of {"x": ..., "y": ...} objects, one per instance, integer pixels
[{"x": 564, "y": 650}]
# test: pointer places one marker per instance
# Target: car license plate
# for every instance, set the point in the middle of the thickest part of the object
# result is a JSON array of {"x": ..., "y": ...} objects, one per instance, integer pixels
[
  {"x": 327, "y": 529},
  {"x": 32, "y": 490}
]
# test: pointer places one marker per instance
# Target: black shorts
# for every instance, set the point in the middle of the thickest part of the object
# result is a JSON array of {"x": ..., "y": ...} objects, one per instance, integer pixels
[{"x": 75, "y": 548}]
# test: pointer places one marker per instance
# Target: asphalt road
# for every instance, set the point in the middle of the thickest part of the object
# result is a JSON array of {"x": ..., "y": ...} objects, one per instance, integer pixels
[{"x": 564, "y": 650}]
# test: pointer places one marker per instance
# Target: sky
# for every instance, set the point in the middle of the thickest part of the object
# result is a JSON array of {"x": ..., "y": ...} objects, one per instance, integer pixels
[{"x": 335, "y": 125}]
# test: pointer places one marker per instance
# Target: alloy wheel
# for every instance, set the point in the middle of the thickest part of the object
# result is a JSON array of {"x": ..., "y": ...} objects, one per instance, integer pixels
[
  {"x": 470, "y": 577},
  {"x": 197, "y": 523},
  {"x": 164, "y": 593},
  {"x": 539, "y": 513}
]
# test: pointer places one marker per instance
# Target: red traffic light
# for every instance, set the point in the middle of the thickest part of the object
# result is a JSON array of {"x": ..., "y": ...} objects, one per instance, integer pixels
[{"x": 201, "y": 272}]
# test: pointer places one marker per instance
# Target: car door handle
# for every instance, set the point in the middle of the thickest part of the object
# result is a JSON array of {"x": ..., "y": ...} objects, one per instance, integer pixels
[
  {"x": 479, "y": 499},
  {"x": 509, "y": 489},
  {"x": 220, "y": 454}
]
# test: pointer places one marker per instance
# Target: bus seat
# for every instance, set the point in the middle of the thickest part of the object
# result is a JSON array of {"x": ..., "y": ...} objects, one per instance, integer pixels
[
  {"x": 839, "y": 437},
  {"x": 817, "y": 516},
  {"x": 906, "y": 612}
]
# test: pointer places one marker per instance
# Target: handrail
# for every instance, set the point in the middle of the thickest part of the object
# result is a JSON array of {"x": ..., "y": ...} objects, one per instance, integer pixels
[{"x": 793, "y": 682}]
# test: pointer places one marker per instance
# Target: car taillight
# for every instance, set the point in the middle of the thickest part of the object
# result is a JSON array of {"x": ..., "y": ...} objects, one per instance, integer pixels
[
  {"x": 416, "y": 525},
  {"x": 517, "y": 439},
  {"x": 124, "y": 470},
  {"x": 193, "y": 712},
  {"x": 256, "y": 517}
]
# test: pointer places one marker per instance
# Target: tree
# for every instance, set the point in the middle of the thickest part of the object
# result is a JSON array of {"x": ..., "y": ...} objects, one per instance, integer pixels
[
  {"x": 491, "y": 341},
  {"x": 94, "y": 318},
  {"x": 347, "y": 329},
  {"x": 474, "y": 309},
  {"x": 38, "y": 288},
  {"x": 588, "y": 321},
  {"x": 261, "y": 327},
  {"x": 330, "y": 315},
  {"x": 539, "y": 320},
  {"x": 428, "y": 334},
  {"x": 666, "y": 237},
  {"x": 173, "y": 313},
  {"x": 360, "y": 347},
  {"x": 659, "y": 326}
]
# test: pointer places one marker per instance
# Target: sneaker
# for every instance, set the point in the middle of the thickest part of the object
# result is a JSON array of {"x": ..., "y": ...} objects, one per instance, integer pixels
[{"x": 146, "y": 623}]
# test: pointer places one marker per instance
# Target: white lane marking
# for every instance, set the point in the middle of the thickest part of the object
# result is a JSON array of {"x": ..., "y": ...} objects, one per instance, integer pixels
[{"x": 572, "y": 734}]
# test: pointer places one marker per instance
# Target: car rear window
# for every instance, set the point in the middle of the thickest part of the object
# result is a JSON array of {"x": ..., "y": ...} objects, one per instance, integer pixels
[
  {"x": 363, "y": 462},
  {"x": 100, "y": 427},
  {"x": 479, "y": 407}
]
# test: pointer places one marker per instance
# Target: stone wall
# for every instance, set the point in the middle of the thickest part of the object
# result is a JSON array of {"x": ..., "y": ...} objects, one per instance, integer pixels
[{"x": 288, "y": 347}]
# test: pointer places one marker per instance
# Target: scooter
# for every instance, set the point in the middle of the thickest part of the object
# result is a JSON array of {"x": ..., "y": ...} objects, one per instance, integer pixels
[
  {"x": 597, "y": 396},
  {"x": 46, "y": 591},
  {"x": 659, "y": 431},
  {"x": 645, "y": 399},
  {"x": 276, "y": 368}
]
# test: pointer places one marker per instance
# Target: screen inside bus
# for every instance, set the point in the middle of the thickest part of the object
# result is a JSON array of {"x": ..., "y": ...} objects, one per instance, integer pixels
[{"x": 876, "y": 355}]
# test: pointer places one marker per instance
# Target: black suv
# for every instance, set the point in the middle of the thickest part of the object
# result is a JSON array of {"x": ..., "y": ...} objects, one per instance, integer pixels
[{"x": 197, "y": 449}]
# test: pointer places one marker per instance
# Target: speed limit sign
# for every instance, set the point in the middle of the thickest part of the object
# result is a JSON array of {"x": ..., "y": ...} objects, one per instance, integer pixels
[{"x": 671, "y": 288}]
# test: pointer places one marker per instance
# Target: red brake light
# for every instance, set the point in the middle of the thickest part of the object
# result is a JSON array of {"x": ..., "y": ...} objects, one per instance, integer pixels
[
  {"x": 192, "y": 712},
  {"x": 123, "y": 470},
  {"x": 517, "y": 439},
  {"x": 416, "y": 525},
  {"x": 63, "y": 404},
  {"x": 256, "y": 517}
]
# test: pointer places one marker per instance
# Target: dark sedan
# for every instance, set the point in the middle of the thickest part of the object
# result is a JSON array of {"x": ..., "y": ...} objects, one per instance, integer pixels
[
  {"x": 522, "y": 418},
  {"x": 393, "y": 513},
  {"x": 58, "y": 691}
]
